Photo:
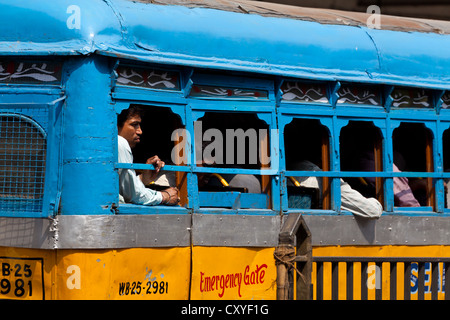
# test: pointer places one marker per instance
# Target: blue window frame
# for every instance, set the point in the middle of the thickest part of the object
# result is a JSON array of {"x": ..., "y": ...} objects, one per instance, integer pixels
[
  {"x": 173, "y": 174},
  {"x": 241, "y": 111},
  {"x": 30, "y": 155},
  {"x": 385, "y": 121},
  {"x": 203, "y": 94},
  {"x": 234, "y": 182},
  {"x": 334, "y": 107}
]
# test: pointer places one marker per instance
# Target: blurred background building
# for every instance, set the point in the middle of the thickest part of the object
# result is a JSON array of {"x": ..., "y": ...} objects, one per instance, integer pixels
[{"x": 426, "y": 9}]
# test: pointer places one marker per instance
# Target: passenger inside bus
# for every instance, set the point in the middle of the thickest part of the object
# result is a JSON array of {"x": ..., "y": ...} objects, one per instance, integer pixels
[
  {"x": 212, "y": 181},
  {"x": 132, "y": 186},
  {"x": 360, "y": 141},
  {"x": 351, "y": 200},
  {"x": 403, "y": 194},
  {"x": 413, "y": 148},
  {"x": 301, "y": 155},
  {"x": 214, "y": 153}
]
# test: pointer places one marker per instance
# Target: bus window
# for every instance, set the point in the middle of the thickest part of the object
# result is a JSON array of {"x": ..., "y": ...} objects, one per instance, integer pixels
[
  {"x": 361, "y": 150},
  {"x": 307, "y": 149},
  {"x": 157, "y": 126},
  {"x": 235, "y": 143},
  {"x": 446, "y": 163},
  {"x": 22, "y": 164},
  {"x": 413, "y": 152}
]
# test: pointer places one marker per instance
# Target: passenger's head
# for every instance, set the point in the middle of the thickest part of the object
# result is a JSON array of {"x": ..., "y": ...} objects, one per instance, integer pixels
[{"x": 129, "y": 125}]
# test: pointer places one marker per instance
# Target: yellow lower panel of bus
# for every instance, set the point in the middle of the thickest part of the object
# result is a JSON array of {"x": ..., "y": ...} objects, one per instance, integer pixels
[
  {"x": 138, "y": 273},
  {"x": 233, "y": 273},
  {"x": 379, "y": 251},
  {"x": 26, "y": 274}
]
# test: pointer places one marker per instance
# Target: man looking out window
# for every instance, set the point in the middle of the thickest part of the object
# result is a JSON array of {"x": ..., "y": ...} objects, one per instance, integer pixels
[{"x": 131, "y": 186}]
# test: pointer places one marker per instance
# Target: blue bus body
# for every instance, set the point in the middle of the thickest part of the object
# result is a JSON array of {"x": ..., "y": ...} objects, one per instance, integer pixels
[{"x": 60, "y": 68}]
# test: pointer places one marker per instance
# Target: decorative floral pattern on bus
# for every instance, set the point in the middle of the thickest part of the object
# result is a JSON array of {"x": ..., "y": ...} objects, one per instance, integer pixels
[
  {"x": 359, "y": 95},
  {"x": 201, "y": 91},
  {"x": 304, "y": 92},
  {"x": 152, "y": 79},
  {"x": 30, "y": 72},
  {"x": 411, "y": 98}
]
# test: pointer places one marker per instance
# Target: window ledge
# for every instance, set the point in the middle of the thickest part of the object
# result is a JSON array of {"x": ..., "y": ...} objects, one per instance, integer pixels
[{"x": 139, "y": 209}]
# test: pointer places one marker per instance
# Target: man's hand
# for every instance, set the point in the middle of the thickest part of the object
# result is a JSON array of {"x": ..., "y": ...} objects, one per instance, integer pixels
[
  {"x": 148, "y": 176},
  {"x": 170, "y": 196}
]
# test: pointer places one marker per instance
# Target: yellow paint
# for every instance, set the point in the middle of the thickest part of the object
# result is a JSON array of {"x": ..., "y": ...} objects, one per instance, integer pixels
[
  {"x": 26, "y": 274},
  {"x": 375, "y": 251},
  {"x": 137, "y": 273},
  {"x": 233, "y": 273},
  {"x": 165, "y": 273},
  {"x": 383, "y": 251}
]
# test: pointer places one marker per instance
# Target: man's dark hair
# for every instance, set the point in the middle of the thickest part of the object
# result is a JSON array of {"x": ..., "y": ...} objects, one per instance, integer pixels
[{"x": 128, "y": 113}]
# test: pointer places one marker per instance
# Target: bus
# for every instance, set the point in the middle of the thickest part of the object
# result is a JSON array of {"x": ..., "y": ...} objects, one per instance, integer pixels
[{"x": 236, "y": 96}]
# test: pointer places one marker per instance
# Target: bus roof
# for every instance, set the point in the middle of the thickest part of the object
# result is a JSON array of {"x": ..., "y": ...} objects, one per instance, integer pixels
[{"x": 229, "y": 35}]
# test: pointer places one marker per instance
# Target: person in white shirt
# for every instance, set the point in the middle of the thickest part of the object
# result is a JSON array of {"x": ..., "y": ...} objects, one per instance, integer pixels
[
  {"x": 131, "y": 186},
  {"x": 351, "y": 200}
]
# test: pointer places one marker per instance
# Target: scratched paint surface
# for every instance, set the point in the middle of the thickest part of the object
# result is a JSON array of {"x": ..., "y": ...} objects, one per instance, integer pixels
[{"x": 135, "y": 274}]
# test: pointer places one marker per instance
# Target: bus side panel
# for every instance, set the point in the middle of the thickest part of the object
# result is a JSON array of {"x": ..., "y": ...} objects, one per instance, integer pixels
[
  {"x": 233, "y": 273},
  {"x": 137, "y": 274},
  {"x": 26, "y": 274},
  {"x": 126, "y": 274}
]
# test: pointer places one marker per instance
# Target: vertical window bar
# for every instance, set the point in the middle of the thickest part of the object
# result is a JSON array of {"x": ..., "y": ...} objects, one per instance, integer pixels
[
  {"x": 364, "y": 278},
  {"x": 326, "y": 196},
  {"x": 431, "y": 198},
  {"x": 335, "y": 281},
  {"x": 319, "y": 281},
  {"x": 378, "y": 157},
  {"x": 434, "y": 280},
  {"x": 349, "y": 280},
  {"x": 378, "y": 289},
  {"x": 421, "y": 281},
  {"x": 407, "y": 282},
  {"x": 393, "y": 280},
  {"x": 446, "y": 268}
]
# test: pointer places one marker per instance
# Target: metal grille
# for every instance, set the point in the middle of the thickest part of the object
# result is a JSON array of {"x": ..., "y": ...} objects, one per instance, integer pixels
[{"x": 22, "y": 164}]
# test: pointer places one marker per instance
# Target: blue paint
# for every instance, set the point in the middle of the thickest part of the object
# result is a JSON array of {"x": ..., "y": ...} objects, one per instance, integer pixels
[
  {"x": 82, "y": 128},
  {"x": 90, "y": 183},
  {"x": 233, "y": 200},
  {"x": 225, "y": 40}
]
